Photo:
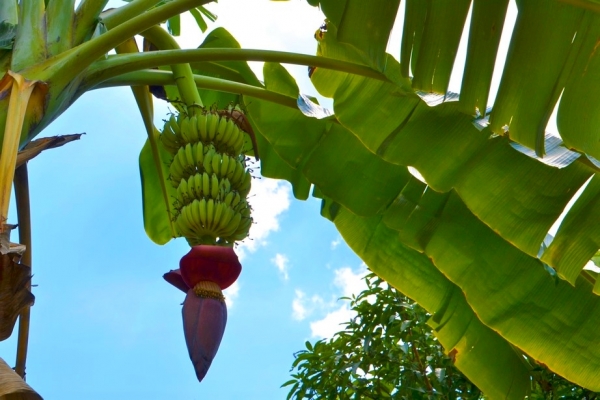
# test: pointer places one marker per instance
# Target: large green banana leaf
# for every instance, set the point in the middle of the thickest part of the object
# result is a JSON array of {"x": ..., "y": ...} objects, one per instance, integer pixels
[{"x": 465, "y": 245}]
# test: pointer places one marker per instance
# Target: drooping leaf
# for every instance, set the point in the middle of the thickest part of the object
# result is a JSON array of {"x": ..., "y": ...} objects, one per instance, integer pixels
[
  {"x": 579, "y": 112},
  {"x": 157, "y": 221},
  {"x": 484, "y": 38},
  {"x": 539, "y": 49},
  {"x": 439, "y": 44},
  {"x": 578, "y": 237},
  {"x": 457, "y": 327}
]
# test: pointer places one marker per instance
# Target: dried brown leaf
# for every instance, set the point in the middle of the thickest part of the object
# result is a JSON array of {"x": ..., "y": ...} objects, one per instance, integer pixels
[
  {"x": 35, "y": 147},
  {"x": 12, "y": 387}
]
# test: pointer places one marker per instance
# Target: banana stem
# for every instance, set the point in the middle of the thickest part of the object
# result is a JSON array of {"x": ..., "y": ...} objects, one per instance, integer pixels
[
  {"x": 86, "y": 18},
  {"x": 82, "y": 56},
  {"x": 163, "y": 78},
  {"x": 120, "y": 64},
  {"x": 182, "y": 73},
  {"x": 120, "y": 15},
  {"x": 24, "y": 216}
]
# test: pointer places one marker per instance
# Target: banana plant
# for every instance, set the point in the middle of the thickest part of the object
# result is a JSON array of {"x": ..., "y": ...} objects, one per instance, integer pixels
[
  {"x": 45, "y": 70},
  {"x": 464, "y": 243}
]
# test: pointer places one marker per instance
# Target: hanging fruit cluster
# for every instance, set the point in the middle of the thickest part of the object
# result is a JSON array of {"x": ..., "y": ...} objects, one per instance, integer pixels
[{"x": 210, "y": 174}]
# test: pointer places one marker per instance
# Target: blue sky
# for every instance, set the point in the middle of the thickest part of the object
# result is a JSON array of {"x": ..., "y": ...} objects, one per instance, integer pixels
[{"x": 105, "y": 324}]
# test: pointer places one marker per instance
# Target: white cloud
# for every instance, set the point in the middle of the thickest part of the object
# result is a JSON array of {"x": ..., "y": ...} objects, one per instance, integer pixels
[
  {"x": 231, "y": 294},
  {"x": 303, "y": 306},
  {"x": 299, "y": 311},
  {"x": 350, "y": 282},
  {"x": 346, "y": 282},
  {"x": 269, "y": 198},
  {"x": 281, "y": 262},
  {"x": 331, "y": 323},
  {"x": 336, "y": 243}
]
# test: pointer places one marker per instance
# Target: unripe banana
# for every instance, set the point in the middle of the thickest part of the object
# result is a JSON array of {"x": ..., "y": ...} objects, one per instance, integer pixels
[
  {"x": 216, "y": 163},
  {"x": 174, "y": 125},
  {"x": 198, "y": 185},
  {"x": 224, "y": 165},
  {"x": 185, "y": 125},
  {"x": 218, "y": 214},
  {"x": 193, "y": 132},
  {"x": 221, "y": 128},
  {"x": 209, "y": 176},
  {"x": 182, "y": 192},
  {"x": 225, "y": 185},
  {"x": 214, "y": 186},
  {"x": 232, "y": 226},
  {"x": 226, "y": 135},
  {"x": 213, "y": 122},
  {"x": 236, "y": 199},
  {"x": 210, "y": 213},
  {"x": 239, "y": 143},
  {"x": 203, "y": 213},
  {"x": 202, "y": 129},
  {"x": 199, "y": 154},
  {"x": 242, "y": 231},
  {"x": 177, "y": 172},
  {"x": 207, "y": 163},
  {"x": 169, "y": 139},
  {"x": 238, "y": 174},
  {"x": 231, "y": 168},
  {"x": 226, "y": 215},
  {"x": 229, "y": 198},
  {"x": 191, "y": 185},
  {"x": 189, "y": 155},
  {"x": 246, "y": 183},
  {"x": 205, "y": 185},
  {"x": 245, "y": 212}
]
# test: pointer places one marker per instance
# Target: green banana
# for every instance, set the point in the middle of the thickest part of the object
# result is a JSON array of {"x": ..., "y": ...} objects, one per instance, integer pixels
[
  {"x": 199, "y": 154},
  {"x": 205, "y": 184},
  {"x": 202, "y": 132},
  {"x": 225, "y": 159},
  {"x": 238, "y": 174},
  {"x": 213, "y": 122},
  {"x": 203, "y": 213},
  {"x": 216, "y": 163},
  {"x": 225, "y": 217},
  {"x": 193, "y": 132},
  {"x": 214, "y": 186},
  {"x": 198, "y": 185},
  {"x": 210, "y": 213},
  {"x": 189, "y": 156},
  {"x": 232, "y": 226},
  {"x": 228, "y": 198},
  {"x": 184, "y": 124},
  {"x": 228, "y": 132},
  {"x": 209, "y": 175},
  {"x": 244, "y": 188},
  {"x": 207, "y": 163},
  {"x": 238, "y": 144}
]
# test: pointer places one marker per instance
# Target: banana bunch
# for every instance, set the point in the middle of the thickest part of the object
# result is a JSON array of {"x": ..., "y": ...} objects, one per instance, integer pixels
[{"x": 210, "y": 175}]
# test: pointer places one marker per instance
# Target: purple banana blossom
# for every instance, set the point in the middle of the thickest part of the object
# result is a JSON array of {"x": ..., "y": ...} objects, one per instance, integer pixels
[{"x": 203, "y": 273}]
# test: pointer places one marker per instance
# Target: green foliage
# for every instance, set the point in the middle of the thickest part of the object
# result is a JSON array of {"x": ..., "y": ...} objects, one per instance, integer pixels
[
  {"x": 385, "y": 351},
  {"x": 388, "y": 350}
]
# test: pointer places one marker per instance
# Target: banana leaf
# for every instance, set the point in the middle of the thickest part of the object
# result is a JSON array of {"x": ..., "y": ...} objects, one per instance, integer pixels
[{"x": 481, "y": 218}]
